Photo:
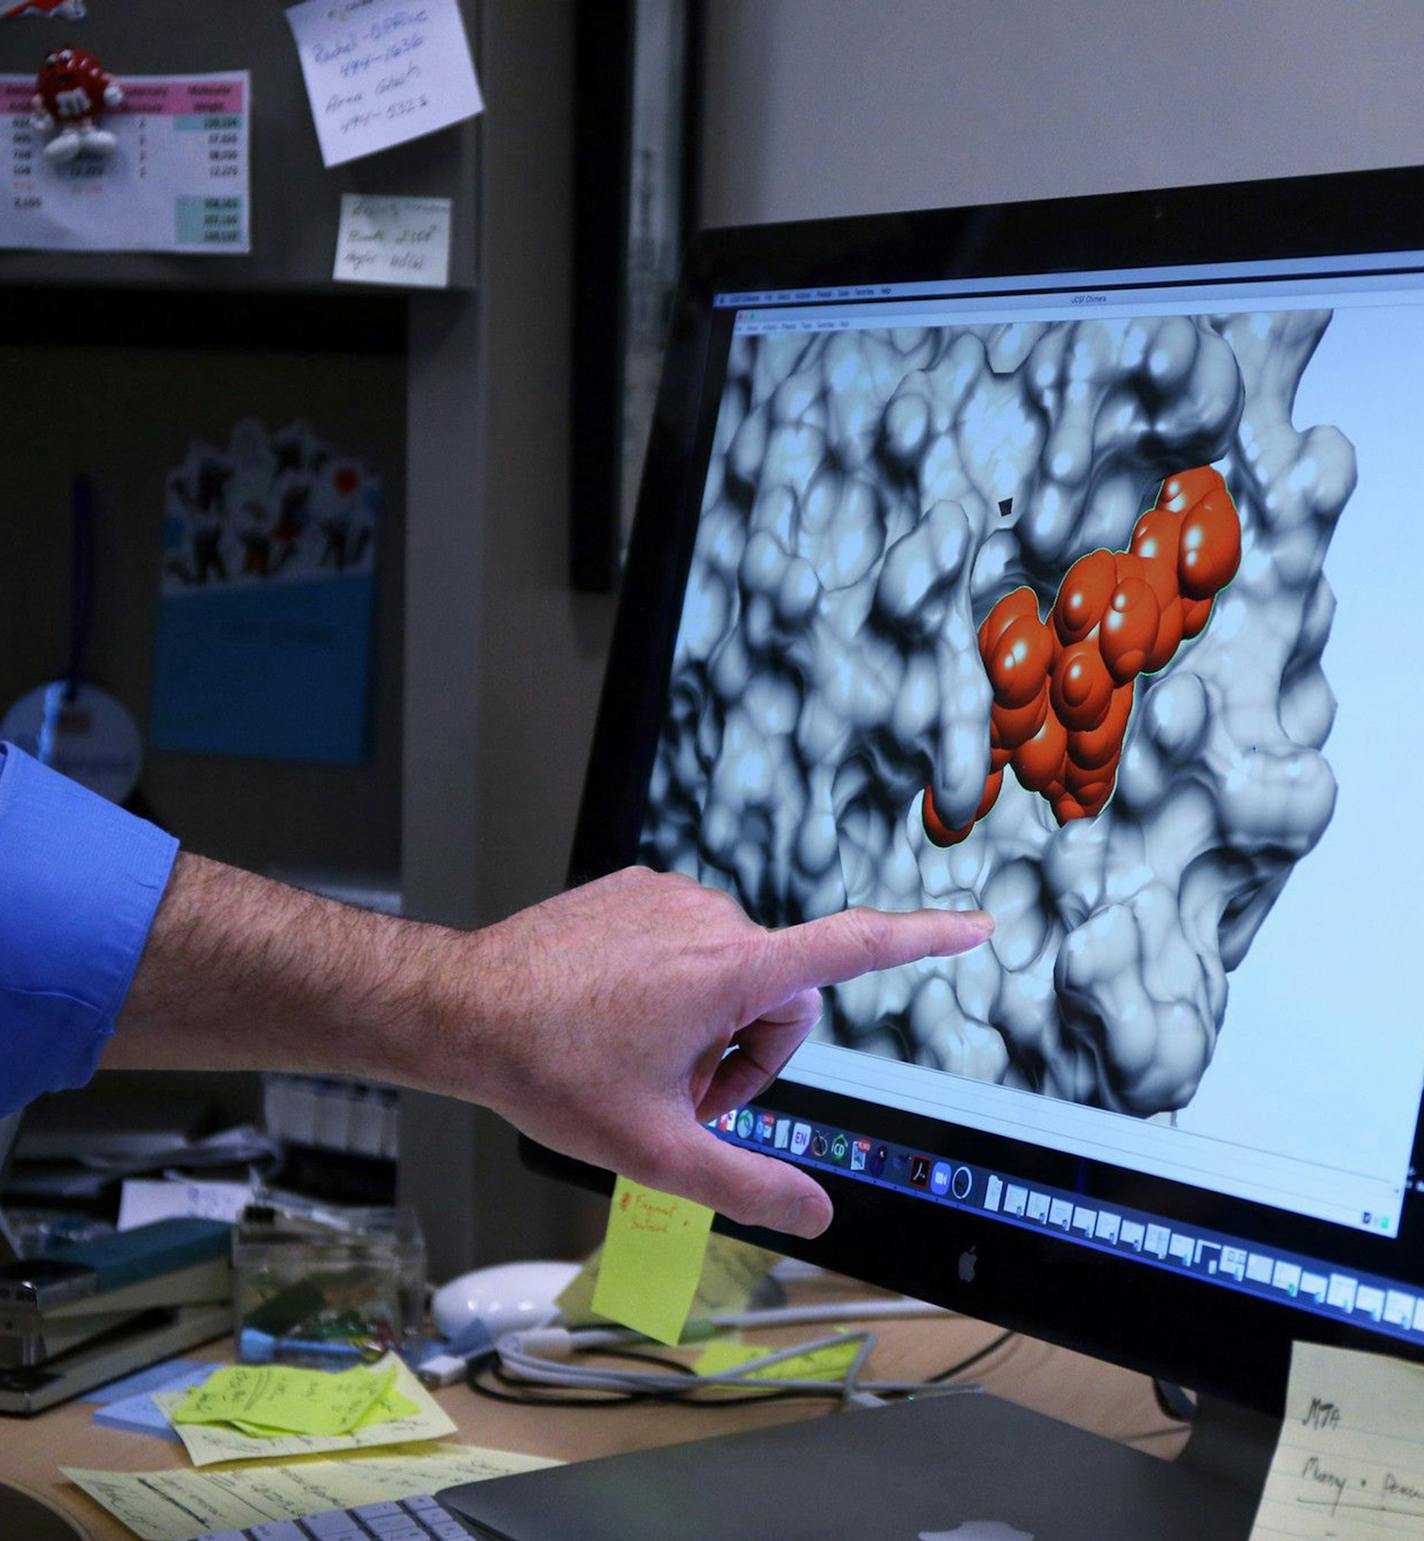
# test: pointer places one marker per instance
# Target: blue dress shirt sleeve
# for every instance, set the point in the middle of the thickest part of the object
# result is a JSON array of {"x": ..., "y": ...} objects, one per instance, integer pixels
[{"x": 80, "y": 882}]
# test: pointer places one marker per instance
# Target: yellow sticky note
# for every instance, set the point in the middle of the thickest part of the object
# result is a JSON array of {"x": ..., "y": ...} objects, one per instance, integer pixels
[
  {"x": 281, "y": 1397},
  {"x": 388, "y": 1406},
  {"x": 385, "y": 1409},
  {"x": 652, "y": 1259},
  {"x": 731, "y": 1272},
  {"x": 830, "y": 1363}
]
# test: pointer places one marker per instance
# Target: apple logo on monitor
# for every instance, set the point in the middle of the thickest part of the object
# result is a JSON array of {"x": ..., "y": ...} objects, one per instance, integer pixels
[
  {"x": 968, "y": 1262},
  {"x": 978, "y": 1530}
]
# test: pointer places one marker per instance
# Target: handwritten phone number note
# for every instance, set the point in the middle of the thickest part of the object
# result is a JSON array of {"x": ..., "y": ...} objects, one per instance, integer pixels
[
  {"x": 1350, "y": 1461},
  {"x": 394, "y": 241},
  {"x": 380, "y": 72}
]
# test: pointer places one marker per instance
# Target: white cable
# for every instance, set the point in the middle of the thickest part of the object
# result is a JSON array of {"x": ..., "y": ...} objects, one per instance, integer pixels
[
  {"x": 543, "y": 1355},
  {"x": 833, "y": 1311},
  {"x": 541, "y": 1372}
]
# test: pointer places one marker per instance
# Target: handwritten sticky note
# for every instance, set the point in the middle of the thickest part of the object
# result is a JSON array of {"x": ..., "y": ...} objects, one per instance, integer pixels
[
  {"x": 731, "y": 1272},
  {"x": 652, "y": 1259},
  {"x": 181, "y": 1505},
  {"x": 380, "y": 72},
  {"x": 387, "y": 1408},
  {"x": 829, "y": 1363},
  {"x": 209, "y": 1443},
  {"x": 394, "y": 241},
  {"x": 1350, "y": 1460},
  {"x": 280, "y": 1397}
]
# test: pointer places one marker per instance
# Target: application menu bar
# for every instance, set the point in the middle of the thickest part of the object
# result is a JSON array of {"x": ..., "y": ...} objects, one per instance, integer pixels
[{"x": 1371, "y": 1301}]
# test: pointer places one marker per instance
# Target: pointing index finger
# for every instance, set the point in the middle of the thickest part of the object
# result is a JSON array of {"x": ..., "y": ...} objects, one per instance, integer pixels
[{"x": 858, "y": 941}]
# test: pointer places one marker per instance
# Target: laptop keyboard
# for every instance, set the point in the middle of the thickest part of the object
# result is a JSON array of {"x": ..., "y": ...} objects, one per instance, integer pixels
[{"x": 411, "y": 1519}]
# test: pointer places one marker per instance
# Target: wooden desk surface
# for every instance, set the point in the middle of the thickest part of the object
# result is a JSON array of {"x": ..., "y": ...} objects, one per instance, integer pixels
[{"x": 1106, "y": 1400}]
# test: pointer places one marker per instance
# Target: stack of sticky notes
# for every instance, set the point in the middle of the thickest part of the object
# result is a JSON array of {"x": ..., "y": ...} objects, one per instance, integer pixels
[{"x": 255, "y": 1412}]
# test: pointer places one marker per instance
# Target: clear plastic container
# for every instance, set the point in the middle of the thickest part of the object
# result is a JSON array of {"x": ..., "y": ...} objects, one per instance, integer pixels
[{"x": 326, "y": 1291}]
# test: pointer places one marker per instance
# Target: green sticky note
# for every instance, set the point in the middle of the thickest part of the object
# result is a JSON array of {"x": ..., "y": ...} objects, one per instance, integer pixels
[
  {"x": 280, "y": 1398},
  {"x": 386, "y": 1409},
  {"x": 389, "y": 1406},
  {"x": 731, "y": 1272},
  {"x": 652, "y": 1259},
  {"x": 830, "y": 1363}
]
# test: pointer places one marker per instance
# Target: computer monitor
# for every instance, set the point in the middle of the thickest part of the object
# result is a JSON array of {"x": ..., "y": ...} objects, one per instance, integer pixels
[{"x": 1062, "y": 558}]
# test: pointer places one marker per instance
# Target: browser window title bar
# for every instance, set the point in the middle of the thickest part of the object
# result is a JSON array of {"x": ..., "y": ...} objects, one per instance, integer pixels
[{"x": 1361, "y": 262}]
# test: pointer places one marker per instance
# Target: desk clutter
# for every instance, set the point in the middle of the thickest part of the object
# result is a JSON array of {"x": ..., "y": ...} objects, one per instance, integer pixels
[
  {"x": 276, "y": 1451},
  {"x": 323, "y": 1287},
  {"x": 81, "y": 1316},
  {"x": 333, "y": 1415}
]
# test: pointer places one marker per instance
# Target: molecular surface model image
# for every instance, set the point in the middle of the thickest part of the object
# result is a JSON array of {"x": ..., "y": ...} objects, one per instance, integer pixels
[{"x": 1027, "y": 617}]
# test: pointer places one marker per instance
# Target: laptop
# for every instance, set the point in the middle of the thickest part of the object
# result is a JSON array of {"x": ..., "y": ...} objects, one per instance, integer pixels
[
  {"x": 967, "y": 1467},
  {"x": 946, "y": 1468}
]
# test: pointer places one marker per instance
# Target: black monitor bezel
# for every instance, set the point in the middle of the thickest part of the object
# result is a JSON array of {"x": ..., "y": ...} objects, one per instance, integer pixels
[{"x": 1194, "y": 1333}]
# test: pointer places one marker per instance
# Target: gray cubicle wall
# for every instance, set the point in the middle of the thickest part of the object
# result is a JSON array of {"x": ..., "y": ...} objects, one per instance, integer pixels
[
  {"x": 502, "y": 674},
  {"x": 145, "y": 403},
  {"x": 498, "y": 662}
]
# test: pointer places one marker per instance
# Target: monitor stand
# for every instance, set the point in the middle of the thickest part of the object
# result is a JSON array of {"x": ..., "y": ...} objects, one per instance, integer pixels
[
  {"x": 951, "y": 1468},
  {"x": 1230, "y": 1443}
]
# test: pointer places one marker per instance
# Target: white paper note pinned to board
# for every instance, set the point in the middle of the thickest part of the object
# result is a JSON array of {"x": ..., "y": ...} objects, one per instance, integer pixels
[
  {"x": 394, "y": 241},
  {"x": 1350, "y": 1461},
  {"x": 380, "y": 72}
]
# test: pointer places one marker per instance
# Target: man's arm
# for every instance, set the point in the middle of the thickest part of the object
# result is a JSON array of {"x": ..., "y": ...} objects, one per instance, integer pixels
[{"x": 599, "y": 1021}]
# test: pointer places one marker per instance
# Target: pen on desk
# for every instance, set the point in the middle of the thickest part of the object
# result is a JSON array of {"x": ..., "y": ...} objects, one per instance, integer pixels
[{"x": 256, "y": 1347}]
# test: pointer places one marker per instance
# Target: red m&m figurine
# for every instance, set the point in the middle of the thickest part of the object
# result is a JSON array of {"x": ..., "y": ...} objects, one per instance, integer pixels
[{"x": 72, "y": 91}]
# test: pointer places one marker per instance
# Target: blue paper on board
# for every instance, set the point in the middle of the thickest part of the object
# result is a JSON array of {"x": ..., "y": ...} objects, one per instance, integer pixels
[{"x": 267, "y": 601}]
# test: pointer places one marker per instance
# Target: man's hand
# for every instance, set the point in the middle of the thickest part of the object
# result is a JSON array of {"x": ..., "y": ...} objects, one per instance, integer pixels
[
  {"x": 616, "y": 1006},
  {"x": 600, "y": 1021}
]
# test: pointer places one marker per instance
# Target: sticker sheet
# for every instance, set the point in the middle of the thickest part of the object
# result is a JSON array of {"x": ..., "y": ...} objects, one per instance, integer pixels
[{"x": 176, "y": 181}]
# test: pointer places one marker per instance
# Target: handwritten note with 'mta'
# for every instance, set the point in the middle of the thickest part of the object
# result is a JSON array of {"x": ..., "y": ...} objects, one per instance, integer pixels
[
  {"x": 380, "y": 72},
  {"x": 394, "y": 241},
  {"x": 652, "y": 1260},
  {"x": 1350, "y": 1462}
]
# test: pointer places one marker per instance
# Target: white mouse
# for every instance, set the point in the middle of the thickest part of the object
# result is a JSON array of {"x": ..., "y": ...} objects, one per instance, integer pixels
[{"x": 504, "y": 1297}]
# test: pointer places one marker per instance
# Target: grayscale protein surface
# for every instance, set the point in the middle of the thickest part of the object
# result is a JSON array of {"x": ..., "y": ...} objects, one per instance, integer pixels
[{"x": 870, "y": 496}]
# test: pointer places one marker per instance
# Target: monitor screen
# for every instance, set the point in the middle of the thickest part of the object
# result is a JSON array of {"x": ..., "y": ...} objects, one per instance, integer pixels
[{"x": 1084, "y": 597}]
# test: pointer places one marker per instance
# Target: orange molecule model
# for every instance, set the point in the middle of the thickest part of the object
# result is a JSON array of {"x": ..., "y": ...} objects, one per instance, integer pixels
[{"x": 1064, "y": 687}]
